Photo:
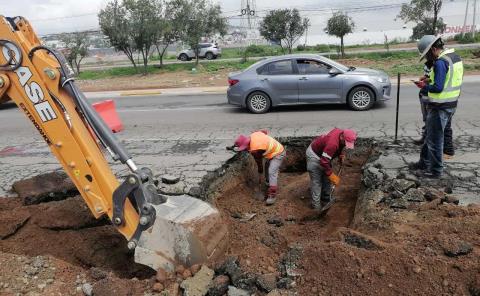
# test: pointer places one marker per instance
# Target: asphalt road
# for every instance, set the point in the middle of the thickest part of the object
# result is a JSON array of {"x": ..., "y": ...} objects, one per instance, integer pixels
[{"x": 210, "y": 117}]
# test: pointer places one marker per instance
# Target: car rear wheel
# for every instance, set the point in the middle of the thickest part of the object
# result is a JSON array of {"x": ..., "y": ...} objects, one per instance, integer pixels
[
  {"x": 209, "y": 56},
  {"x": 183, "y": 57},
  {"x": 258, "y": 102},
  {"x": 361, "y": 98}
]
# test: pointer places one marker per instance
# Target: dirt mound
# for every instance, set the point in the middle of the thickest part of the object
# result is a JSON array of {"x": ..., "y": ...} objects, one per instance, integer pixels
[
  {"x": 428, "y": 250},
  {"x": 67, "y": 232}
]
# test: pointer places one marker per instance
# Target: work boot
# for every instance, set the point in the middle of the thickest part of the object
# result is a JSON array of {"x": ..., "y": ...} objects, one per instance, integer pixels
[
  {"x": 416, "y": 166},
  {"x": 271, "y": 195},
  {"x": 430, "y": 175}
]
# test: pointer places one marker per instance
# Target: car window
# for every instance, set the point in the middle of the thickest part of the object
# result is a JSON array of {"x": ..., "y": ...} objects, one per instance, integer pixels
[
  {"x": 279, "y": 68},
  {"x": 311, "y": 67}
]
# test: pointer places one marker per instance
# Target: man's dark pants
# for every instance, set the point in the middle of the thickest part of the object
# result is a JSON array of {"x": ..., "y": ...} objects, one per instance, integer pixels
[
  {"x": 437, "y": 119},
  {"x": 448, "y": 134}
]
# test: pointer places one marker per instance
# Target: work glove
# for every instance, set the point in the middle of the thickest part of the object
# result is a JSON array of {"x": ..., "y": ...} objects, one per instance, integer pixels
[
  {"x": 420, "y": 84},
  {"x": 334, "y": 179}
]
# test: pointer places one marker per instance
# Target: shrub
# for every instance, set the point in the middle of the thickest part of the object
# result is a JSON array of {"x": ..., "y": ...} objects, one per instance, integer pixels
[{"x": 467, "y": 38}]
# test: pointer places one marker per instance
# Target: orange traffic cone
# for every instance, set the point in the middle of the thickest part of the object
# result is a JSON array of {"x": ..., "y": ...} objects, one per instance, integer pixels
[{"x": 106, "y": 110}]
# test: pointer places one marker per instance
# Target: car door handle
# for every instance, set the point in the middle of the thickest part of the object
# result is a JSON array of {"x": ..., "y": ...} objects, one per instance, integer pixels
[
  {"x": 304, "y": 78},
  {"x": 264, "y": 79}
]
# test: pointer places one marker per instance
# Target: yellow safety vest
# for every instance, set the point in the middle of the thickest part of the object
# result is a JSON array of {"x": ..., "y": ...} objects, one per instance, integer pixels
[{"x": 453, "y": 80}]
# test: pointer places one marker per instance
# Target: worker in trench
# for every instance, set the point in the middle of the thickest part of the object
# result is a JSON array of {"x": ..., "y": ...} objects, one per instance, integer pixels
[
  {"x": 320, "y": 154},
  {"x": 263, "y": 147}
]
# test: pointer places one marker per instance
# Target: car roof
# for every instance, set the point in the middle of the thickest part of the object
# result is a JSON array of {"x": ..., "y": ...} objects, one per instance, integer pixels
[{"x": 294, "y": 56}]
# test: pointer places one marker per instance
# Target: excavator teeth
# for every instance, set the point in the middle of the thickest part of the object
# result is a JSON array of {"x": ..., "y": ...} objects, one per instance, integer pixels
[{"x": 186, "y": 231}]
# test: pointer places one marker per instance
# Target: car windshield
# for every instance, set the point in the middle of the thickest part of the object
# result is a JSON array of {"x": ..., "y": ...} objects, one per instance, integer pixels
[{"x": 336, "y": 65}]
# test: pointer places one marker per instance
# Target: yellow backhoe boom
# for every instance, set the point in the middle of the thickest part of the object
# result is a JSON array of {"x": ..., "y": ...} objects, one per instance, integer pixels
[{"x": 164, "y": 231}]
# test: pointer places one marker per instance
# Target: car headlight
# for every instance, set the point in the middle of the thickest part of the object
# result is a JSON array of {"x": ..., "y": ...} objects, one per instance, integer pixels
[{"x": 382, "y": 79}]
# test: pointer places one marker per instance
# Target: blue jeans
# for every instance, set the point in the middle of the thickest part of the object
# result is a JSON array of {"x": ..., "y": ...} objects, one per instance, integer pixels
[{"x": 431, "y": 156}]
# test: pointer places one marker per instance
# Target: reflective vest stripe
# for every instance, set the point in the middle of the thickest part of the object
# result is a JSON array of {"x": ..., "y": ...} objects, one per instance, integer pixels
[{"x": 274, "y": 149}]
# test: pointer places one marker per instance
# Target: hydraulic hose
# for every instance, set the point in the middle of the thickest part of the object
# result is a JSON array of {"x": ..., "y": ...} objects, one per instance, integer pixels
[{"x": 100, "y": 128}]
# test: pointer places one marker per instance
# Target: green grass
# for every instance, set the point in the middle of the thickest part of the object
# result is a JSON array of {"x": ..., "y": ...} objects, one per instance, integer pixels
[
  {"x": 405, "y": 62},
  {"x": 187, "y": 67}
]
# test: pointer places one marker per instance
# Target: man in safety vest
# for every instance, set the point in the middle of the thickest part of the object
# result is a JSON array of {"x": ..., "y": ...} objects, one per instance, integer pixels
[
  {"x": 262, "y": 146},
  {"x": 320, "y": 154},
  {"x": 443, "y": 91}
]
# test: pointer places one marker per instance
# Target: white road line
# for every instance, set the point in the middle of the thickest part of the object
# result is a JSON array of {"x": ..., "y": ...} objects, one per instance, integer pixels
[{"x": 173, "y": 109}]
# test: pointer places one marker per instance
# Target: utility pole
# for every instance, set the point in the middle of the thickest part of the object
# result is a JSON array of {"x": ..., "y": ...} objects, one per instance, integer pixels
[
  {"x": 474, "y": 16},
  {"x": 465, "y": 19}
]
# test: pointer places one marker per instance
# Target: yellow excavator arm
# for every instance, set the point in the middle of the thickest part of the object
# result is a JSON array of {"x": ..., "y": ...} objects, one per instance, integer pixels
[{"x": 164, "y": 231}]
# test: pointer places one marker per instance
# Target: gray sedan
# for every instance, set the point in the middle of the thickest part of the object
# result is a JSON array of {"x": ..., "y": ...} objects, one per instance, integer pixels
[{"x": 306, "y": 79}]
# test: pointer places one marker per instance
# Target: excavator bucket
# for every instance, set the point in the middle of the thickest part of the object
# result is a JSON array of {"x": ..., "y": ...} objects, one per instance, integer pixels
[{"x": 186, "y": 231}]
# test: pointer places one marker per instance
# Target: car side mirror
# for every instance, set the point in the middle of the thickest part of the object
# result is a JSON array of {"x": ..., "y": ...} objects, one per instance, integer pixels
[{"x": 334, "y": 72}]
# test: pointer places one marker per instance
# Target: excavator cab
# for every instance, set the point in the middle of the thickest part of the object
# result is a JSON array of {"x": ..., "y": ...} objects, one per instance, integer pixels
[{"x": 164, "y": 231}]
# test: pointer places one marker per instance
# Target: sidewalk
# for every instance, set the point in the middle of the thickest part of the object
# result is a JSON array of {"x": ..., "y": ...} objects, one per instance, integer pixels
[{"x": 405, "y": 80}]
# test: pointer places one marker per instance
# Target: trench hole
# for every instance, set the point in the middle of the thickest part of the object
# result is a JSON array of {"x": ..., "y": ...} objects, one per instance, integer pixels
[
  {"x": 260, "y": 241},
  {"x": 66, "y": 229}
]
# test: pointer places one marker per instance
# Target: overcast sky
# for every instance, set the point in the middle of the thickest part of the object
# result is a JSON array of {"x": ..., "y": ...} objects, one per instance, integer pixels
[
  {"x": 50, "y": 16},
  {"x": 56, "y": 16}
]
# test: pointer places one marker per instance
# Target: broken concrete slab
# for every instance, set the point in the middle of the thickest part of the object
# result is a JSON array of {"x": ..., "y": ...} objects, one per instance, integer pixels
[
  {"x": 199, "y": 284},
  {"x": 170, "y": 179},
  {"x": 232, "y": 291},
  {"x": 11, "y": 222},
  {"x": 44, "y": 188},
  {"x": 267, "y": 282},
  {"x": 454, "y": 248},
  {"x": 415, "y": 195},
  {"x": 360, "y": 240},
  {"x": 402, "y": 185},
  {"x": 390, "y": 161},
  {"x": 462, "y": 174},
  {"x": 219, "y": 286}
]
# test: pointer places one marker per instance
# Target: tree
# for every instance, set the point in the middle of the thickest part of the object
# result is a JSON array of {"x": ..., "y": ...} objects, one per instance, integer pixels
[
  {"x": 76, "y": 48},
  {"x": 173, "y": 25},
  {"x": 205, "y": 19},
  {"x": 425, "y": 13},
  {"x": 132, "y": 26},
  {"x": 115, "y": 25},
  {"x": 284, "y": 26},
  {"x": 144, "y": 17},
  {"x": 340, "y": 25}
]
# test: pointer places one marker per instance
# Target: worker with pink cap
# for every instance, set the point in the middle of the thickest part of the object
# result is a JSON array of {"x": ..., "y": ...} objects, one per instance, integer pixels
[
  {"x": 320, "y": 154},
  {"x": 262, "y": 146}
]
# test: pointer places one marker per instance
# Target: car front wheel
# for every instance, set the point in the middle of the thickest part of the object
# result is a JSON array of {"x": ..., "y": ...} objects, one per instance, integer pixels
[
  {"x": 361, "y": 98},
  {"x": 209, "y": 56},
  {"x": 258, "y": 102},
  {"x": 183, "y": 57}
]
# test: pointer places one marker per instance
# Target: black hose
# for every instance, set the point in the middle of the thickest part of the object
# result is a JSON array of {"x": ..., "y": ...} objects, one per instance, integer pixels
[{"x": 100, "y": 128}]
